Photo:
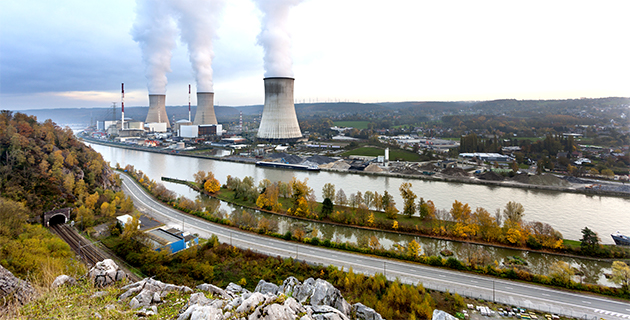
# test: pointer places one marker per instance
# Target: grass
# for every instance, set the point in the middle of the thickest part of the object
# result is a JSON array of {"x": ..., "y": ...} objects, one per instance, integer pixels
[
  {"x": 393, "y": 153},
  {"x": 355, "y": 124}
]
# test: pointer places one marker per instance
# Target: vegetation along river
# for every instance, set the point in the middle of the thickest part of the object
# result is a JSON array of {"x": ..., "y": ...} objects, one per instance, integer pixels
[{"x": 566, "y": 212}]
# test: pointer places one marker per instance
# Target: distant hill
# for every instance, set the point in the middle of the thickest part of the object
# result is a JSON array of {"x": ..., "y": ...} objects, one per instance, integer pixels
[{"x": 85, "y": 116}]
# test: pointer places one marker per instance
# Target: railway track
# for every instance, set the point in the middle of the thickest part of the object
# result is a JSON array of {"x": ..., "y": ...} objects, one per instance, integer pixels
[
  {"x": 86, "y": 250},
  {"x": 83, "y": 248}
]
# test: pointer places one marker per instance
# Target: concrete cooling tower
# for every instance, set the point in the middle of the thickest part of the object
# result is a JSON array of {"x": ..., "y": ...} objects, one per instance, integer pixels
[
  {"x": 279, "y": 123},
  {"x": 157, "y": 109},
  {"x": 205, "y": 109}
]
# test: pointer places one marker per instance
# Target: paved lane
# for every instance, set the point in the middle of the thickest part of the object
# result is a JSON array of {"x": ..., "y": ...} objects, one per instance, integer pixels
[{"x": 513, "y": 293}]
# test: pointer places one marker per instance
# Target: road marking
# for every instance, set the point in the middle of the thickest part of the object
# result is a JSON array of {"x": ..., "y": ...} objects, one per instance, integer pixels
[
  {"x": 441, "y": 275},
  {"x": 586, "y": 302},
  {"x": 473, "y": 281},
  {"x": 546, "y": 295},
  {"x": 509, "y": 288}
]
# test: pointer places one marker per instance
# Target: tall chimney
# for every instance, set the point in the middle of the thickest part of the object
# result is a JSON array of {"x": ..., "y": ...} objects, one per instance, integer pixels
[
  {"x": 157, "y": 109},
  {"x": 205, "y": 109},
  {"x": 279, "y": 123}
]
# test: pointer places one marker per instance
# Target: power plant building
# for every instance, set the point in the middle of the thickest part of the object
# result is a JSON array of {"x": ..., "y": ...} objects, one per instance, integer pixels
[
  {"x": 157, "y": 110},
  {"x": 279, "y": 122},
  {"x": 205, "y": 109}
]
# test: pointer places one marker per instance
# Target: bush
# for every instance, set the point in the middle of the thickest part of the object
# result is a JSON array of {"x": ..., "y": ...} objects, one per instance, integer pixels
[{"x": 288, "y": 235}]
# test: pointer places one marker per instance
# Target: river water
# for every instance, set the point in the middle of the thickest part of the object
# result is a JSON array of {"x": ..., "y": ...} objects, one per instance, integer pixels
[{"x": 566, "y": 212}]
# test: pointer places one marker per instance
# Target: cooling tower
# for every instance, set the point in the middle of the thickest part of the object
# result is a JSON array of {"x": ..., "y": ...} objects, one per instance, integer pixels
[
  {"x": 157, "y": 109},
  {"x": 205, "y": 109},
  {"x": 279, "y": 122}
]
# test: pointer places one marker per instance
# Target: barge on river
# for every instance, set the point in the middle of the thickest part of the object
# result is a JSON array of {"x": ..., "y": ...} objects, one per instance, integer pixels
[
  {"x": 286, "y": 166},
  {"x": 620, "y": 239}
]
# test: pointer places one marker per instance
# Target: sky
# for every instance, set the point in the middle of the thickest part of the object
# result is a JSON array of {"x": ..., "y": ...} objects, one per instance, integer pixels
[{"x": 76, "y": 53}]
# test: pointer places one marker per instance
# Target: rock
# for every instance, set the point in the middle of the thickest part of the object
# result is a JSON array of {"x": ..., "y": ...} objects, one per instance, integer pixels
[
  {"x": 99, "y": 294},
  {"x": 266, "y": 287},
  {"x": 151, "y": 291},
  {"x": 273, "y": 312},
  {"x": 442, "y": 315},
  {"x": 63, "y": 280},
  {"x": 214, "y": 290},
  {"x": 234, "y": 288},
  {"x": 144, "y": 312},
  {"x": 288, "y": 285},
  {"x": 324, "y": 312},
  {"x": 197, "y": 312},
  {"x": 325, "y": 293},
  {"x": 301, "y": 292},
  {"x": 105, "y": 273},
  {"x": 365, "y": 313},
  {"x": 251, "y": 302},
  {"x": 13, "y": 288}
]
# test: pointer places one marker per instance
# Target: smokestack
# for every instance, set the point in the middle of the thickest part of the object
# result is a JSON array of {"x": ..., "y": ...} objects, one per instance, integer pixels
[
  {"x": 279, "y": 123},
  {"x": 205, "y": 109},
  {"x": 157, "y": 109},
  {"x": 122, "y": 103},
  {"x": 189, "y": 119}
]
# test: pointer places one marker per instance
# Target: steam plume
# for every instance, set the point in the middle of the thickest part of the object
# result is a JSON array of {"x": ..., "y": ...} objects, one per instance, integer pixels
[
  {"x": 274, "y": 37},
  {"x": 198, "y": 23},
  {"x": 155, "y": 32}
]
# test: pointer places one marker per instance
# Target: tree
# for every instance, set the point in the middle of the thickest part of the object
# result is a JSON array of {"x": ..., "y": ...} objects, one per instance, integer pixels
[
  {"x": 608, "y": 173},
  {"x": 341, "y": 198},
  {"x": 513, "y": 213},
  {"x": 391, "y": 212},
  {"x": 461, "y": 212},
  {"x": 590, "y": 241},
  {"x": 211, "y": 185},
  {"x": 413, "y": 248},
  {"x": 327, "y": 207},
  {"x": 328, "y": 191},
  {"x": 621, "y": 274},
  {"x": 561, "y": 271},
  {"x": 368, "y": 198},
  {"x": 387, "y": 200},
  {"x": 409, "y": 198}
]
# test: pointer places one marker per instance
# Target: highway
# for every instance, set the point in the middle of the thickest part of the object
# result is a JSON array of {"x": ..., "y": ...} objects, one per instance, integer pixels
[{"x": 529, "y": 296}]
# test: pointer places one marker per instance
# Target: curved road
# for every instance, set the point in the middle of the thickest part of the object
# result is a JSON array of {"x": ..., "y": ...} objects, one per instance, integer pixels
[{"x": 512, "y": 293}]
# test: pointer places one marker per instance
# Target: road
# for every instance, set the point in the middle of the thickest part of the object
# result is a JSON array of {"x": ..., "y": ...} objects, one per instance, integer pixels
[{"x": 529, "y": 296}]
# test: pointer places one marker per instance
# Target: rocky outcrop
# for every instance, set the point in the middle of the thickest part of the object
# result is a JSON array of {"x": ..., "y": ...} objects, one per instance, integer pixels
[
  {"x": 311, "y": 300},
  {"x": 63, "y": 280},
  {"x": 14, "y": 289},
  {"x": 442, "y": 315},
  {"x": 105, "y": 273}
]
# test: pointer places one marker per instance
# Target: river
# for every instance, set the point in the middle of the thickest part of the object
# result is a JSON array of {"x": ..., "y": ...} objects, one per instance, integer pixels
[{"x": 568, "y": 213}]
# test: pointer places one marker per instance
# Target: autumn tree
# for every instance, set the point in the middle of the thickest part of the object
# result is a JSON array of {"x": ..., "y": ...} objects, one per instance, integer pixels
[
  {"x": 211, "y": 184},
  {"x": 368, "y": 198},
  {"x": 340, "y": 198},
  {"x": 561, "y": 271},
  {"x": 409, "y": 198},
  {"x": 413, "y": 248},
  {"x": 269, "y": 198},
  {"x": 328, "y": 191},
  {"x": 513, "y": 213},
  {"x": 621, "y": 274}
]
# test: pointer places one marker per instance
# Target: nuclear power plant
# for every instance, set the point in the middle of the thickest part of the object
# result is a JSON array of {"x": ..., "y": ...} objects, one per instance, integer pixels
[
  {"x": 279, "y": 123},
  {"x": 157, "y": 109},
  {"x": 205, "y": 109}
]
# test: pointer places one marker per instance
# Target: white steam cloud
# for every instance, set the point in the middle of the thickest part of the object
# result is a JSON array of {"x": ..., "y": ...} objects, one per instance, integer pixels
[
  {"x": 274, "y": 36},
  {"x": 155, "y": 32},
  {"x": 198, "y": 21}
]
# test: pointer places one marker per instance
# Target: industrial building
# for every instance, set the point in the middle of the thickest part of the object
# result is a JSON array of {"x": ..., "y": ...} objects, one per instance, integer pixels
[
  {"x": 279, "y": 122},
  {"x": 157, "y": 110},
  {"x": 490, "y": 157},
  {"x": 172, "y": 240},
  {"x": 205, "y": 109}
]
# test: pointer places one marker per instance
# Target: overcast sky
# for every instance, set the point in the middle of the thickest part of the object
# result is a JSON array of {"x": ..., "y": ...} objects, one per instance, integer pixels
[{"x": 76, "y": 53}]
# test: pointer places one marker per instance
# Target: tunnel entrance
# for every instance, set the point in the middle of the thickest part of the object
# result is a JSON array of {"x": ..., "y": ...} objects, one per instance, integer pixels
[
  {"x": 58, "y": 216},
  {"x": 57, "y": 219}
]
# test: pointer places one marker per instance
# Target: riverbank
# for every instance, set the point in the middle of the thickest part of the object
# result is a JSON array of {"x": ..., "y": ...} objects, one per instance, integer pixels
[
  {"x": 247, "y": 205},
  {"x": 574, "y": 188}
]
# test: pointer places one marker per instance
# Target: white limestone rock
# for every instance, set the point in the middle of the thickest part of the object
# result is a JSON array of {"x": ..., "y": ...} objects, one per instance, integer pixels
[
  {"x": 105, "y": 273},
  {"x": 63, "y": 280},
  {"x": 365, "y": 313}
]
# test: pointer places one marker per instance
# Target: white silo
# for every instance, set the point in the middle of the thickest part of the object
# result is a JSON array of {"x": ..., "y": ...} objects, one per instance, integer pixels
[
  {"x": 157, "y": 109},
  {"x": 205, "y": 109},
  {"x": 279, "y": 122}
]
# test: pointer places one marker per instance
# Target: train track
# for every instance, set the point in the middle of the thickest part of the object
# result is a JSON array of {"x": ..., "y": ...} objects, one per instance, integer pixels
[
  {"x": 83, "y": 248},
  {"x": 86, "y": 250}
]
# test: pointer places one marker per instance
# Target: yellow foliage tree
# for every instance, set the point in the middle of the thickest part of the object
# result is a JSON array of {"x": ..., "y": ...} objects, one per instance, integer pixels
[
  {"x": 413, "y": 248},
  {"x": 395, "y": 225},
  {"x": 211, "y": 185}
]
